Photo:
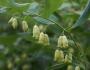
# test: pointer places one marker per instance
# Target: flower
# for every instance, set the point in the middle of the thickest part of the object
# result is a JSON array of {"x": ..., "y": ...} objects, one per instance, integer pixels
[
  {"x": 77, "y": 68},
  {"x": 46, "y": 39},
  {"x": 41, "y": 38},
  {"x": 66, "y": 58},
  {"x": 36, "y": 32},
  {"x": 24, "y": 26},
  {"x": 70, "y": 67},
  {"x": 70, "y": 57},
  {"x": 57, "y": 55},
  {"x": 11, "y": 20},
  {"x": 61, "y": 56},
  {"x": 65, "y": 42},
  {"x": 60, "y": 41},
  {"x": 14, "y": 23}
]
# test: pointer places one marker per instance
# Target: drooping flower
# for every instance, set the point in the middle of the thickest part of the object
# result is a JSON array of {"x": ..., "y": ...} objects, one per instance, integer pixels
[
  {"x": 41, "y": 38},
  {"x": 36, "y": 32},
  {"x": 57, "y": 55},
  {"x": 65, "y": 42},
  {"x": 77, "y": 68},
  {"x": 46, "y": 39},
  {"x": 66, "y": 58},
  {"x": 70, "y": 57},
  {"x": 70, "y": 67},
  {"x": 11, "y": 20},
  {"x": 24, "y": 26},
  {"x": 61, "y": 55},
  {"x": 60, "y": 41},
  {"x": 14, "y": 23}
]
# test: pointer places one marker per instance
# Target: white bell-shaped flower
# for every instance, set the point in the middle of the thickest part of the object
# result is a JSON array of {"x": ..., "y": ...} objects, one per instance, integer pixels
[
  {"x": 46, "y": 39},
  {"x": 36, "y": 32},
  {"x": 24, "y": 26},
  {"x": 14, "y": 23},
  {"x": 65, "y": 42},
  {"x": 77, "y": 68},
  {"x": 66, "y": 58},
  {"x": 60, "y": 41},
  {"x": 70, "y": 67},
  {"x": 41, "y": 38},
  {"x": 57, "y": 55},
  {"x": 11, "y": 20}
]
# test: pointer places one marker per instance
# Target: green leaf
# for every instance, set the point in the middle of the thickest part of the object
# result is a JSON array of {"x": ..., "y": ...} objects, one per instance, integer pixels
[
  {"x": 8, "y": 39},
  {"x": 2, "y": 10},
  {"x": 33, "y": 5},
  {"x": 87, "y": 50},
  {"x": 56, "y": 40},
  {"x": 42, "y": 20},
  {"x": 28, "y": 36},
  {"x": 51, "y": 6},
  {"x": 53, "y": 18},
  {"x": 13, "y": 6},
  {"x": 84, "y": 15},
  {"x": 57, "y": 66}
]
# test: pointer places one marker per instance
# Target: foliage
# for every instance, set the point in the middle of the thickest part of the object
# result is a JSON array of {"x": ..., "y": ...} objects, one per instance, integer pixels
[{"x": 21, "y": 51}]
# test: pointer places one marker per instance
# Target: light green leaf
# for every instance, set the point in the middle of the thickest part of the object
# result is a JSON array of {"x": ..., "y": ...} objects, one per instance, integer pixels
[
  {"x": 51, "y": 6},
  {"x": 84, "y": 15}
]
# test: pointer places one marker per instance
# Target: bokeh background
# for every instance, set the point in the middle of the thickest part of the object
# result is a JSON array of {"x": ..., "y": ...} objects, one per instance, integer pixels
[{"x": 20, "y": 51}]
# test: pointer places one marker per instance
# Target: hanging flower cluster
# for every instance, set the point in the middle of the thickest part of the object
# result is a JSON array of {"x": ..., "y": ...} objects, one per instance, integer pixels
[
  {"x": 70, "y": 67},
  {"x": 62, "y": 42},
  {"x": 43, "y": 38},
  {"x": 14, "y": 22}
]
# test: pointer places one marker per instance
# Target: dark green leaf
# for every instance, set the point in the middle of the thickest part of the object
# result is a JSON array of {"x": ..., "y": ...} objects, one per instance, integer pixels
[
  {"x": 28, "y": 36},
  {"x": 51, "y": 6},
  {"x": 42, "y": 20},
  {"x": 8, "y": 39},
  {"x": 87, "y": 50},
  {"x": 53, "y": 18},
  {"x": 84, "y": 15}
]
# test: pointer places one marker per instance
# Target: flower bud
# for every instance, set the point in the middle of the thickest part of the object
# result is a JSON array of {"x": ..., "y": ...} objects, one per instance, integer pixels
[
  {"x": 24, "y": 26},
  {"x": 65, "y": 42},
  {"x": 36, "y": 32},
  {"x": 66, "y": 58},
  {"x": 24, "y": 56},
  {"x": 11, "y": 20},
  {"x": 71, "y": 50},
  {"x": 70, "y": 57},
  {"x": 41, "y": 38},
  {"x": 57, "y": 55},
  {"x": 60, "y": 41},
  {"x": 17, "y": 60},
  {"x": 26, "y": 67},
  {"x": 77, "y": 68},
  {"x": 70, "y": 67},
  {"x": 61, "y": 56},
  {"x": 14, "y": 23},
  {"x": 46, "y": 39},
  {"x": 9, "y": 65}
]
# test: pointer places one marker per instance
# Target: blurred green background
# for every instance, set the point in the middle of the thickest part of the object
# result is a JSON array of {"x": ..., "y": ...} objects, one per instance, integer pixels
[{"x": 20, "y": 51}]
